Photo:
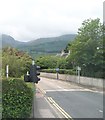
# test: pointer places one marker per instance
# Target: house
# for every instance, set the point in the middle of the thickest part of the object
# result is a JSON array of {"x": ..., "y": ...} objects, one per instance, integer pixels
[{"x": 63, "y": 54}]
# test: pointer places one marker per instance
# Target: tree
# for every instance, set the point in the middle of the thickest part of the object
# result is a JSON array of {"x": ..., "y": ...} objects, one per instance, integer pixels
[
  {"x": 66, "y": 50},
  {"x": 84, "y": 49},
  {"x": 18, "y": 61},
  {"x": 46, "y": 62},
  {"x": 61, "y": 63}
]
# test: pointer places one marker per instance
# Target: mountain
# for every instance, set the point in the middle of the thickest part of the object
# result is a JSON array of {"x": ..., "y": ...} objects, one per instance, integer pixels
[
  {"x": 41, "y": 45},
  {"x": 7, "y": 40},
  {"x": 48, "y": 45},
  {"x": 51, "y": 39}
]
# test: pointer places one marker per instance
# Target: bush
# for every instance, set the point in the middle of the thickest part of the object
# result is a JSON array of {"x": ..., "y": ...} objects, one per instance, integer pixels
[
  {"x": 18, "y": 61},
  {"x": 16, "y": 99},
  {"x": 49, "y": 70},
  {"x": 61, "y": 71}
]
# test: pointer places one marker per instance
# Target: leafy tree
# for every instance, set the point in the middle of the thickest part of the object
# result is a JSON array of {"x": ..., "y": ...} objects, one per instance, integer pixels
[
  {"x": 47, "y": 62},
  {"x": 61, "y": 63},
  {"x": 66, "y": 50},
  {"x": 18, "y": 61},
  {"x": 51, "y": 62},
  {"x": 87, "y": 48}
]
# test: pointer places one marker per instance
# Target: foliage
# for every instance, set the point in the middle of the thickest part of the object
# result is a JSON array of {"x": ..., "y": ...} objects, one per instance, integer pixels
[
  {"x": 61, "y": 63},
  {"x": 16, "y": 99},
  {"x": 47, "y": 45},
  {"x": 66, "y": 50},
  {"x": 87, "y": 49},
  {"x": 61, "y": 71},
  {"x": 50, "y": 62},
  {"x": 47, "y": 62},
  {"x": 18, "y": 61}
]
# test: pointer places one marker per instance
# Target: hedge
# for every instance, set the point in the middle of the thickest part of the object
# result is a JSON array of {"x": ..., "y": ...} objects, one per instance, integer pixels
[
  {"x": 61, "y": 71},
  {"x": 16, "y": 99}
]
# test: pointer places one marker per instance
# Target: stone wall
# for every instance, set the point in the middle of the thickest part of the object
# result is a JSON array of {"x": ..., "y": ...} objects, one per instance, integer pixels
[{"x": 81, "y": 80}]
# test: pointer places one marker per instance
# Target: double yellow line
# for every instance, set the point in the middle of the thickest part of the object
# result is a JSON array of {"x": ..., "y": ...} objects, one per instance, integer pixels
[
  {"x": 65, "y": 114},
  {"x": 50, "y": 99}
]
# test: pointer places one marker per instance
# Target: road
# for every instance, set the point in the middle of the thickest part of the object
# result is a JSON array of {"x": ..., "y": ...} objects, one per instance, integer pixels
[{"x": 76, "y": 101}]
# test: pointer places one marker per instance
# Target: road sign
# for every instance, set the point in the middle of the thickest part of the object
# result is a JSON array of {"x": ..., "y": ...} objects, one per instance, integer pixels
[
  {"x": 57, "y": 69},
  {"x": 78, "y": 68}
]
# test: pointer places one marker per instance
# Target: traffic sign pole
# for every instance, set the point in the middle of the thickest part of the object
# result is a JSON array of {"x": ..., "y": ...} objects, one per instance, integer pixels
[
  {"x": 78, "y": 69},
  {"x": 33, "y": 100},
  {"x": 57, "y": 70},
  {"x": 7, "y": 69},
  {"x": 78, "y": 76}
]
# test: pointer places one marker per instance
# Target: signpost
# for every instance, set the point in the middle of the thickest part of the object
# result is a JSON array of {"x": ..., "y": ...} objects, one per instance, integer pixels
[
  {"x": 78, "y": 69},
  {"x": 7, "y": 69},
  {"x": 57, "y": 70}
]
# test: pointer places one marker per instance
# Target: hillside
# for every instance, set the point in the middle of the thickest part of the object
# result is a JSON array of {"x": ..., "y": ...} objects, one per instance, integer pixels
[
  {"x": 10, "y": 41},
  {"x": 39, "y": 46},
  {"x": 51, "y": 39},
  {"x": 48, "y": 45}
]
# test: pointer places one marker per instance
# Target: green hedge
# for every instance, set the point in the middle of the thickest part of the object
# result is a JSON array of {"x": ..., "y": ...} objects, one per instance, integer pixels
[
  {"x": 16, "y": 99},
  {"x": 61, "y": 71}
]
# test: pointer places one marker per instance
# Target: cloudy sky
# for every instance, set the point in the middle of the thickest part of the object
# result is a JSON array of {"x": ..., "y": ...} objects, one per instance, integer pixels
[{"x": 31, "y": 19}]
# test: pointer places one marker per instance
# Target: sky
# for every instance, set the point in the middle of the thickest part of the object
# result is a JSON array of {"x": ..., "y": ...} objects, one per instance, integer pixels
[{"x": 27, "y": 20}]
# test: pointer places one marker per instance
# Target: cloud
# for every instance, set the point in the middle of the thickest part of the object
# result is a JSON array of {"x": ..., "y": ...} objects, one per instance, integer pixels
[{"x": 31, "y": 19}]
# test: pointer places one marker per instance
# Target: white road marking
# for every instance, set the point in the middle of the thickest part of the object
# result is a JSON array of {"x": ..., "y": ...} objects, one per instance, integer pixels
[
  {"x": 88, "y": 90},
  {"x": 67, "y": 90},
  {"x": 59, "y": 87}
]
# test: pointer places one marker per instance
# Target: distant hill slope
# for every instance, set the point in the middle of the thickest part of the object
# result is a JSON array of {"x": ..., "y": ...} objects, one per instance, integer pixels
[
  {"x": 48, "y": 45},
  {"x": 51, "y": 39},
  {"x": 10, "y": 41},
  {"x": 42, "y": 45}
]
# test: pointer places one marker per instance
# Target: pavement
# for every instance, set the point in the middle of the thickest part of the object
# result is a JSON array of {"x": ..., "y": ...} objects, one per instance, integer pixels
[{"x": 43, "y": 108}]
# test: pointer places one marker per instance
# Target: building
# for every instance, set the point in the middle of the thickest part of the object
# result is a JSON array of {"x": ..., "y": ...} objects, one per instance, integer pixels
[{"x": 63, "y": 54}]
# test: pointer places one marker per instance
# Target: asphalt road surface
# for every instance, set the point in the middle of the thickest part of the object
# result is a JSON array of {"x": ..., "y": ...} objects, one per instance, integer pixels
[{"x": 77, "y": 101}]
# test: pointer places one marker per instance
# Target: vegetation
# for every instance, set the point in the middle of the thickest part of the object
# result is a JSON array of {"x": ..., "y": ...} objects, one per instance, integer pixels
[
  {"x": 51, "y": 62},
  {"x": 39, "y": 46},
  {"x": 18, "y": 61},
  {"x": 16, "y": 94},
  {"x": 61, "y": 71},
  {"x": 86, "y": 51},
  {"x": 47, "y": 62},
  {"x": 16, "y": 99}
]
